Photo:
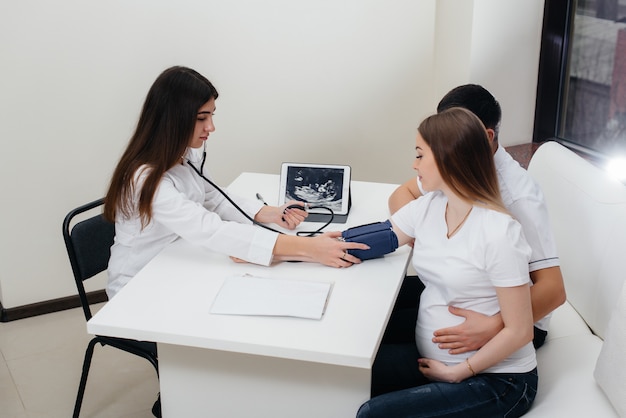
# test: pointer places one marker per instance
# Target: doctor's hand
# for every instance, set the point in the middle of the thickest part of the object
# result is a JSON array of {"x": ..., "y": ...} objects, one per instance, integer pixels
[
  {"x": 329, "y": 250},
  {"x": 326, "y": 248},
  {"x": 470, "y": 335},
  {"x": 284, "y": 216}
]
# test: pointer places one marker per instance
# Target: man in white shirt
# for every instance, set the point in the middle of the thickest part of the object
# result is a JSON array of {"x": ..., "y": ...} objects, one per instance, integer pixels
[{"x": 524, "y": 199}]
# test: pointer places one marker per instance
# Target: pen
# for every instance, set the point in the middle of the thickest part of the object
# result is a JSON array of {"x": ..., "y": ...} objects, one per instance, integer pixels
[{"x": 258, "y": 196}]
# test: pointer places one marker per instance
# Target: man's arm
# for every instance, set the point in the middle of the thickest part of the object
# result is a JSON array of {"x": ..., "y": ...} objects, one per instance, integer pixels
[
  {"x": 547, "y": 294},
  {"x": 403, "y": 194}
]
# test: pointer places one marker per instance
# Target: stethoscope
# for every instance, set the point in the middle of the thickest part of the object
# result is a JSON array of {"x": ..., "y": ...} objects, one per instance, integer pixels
[{"x": 304, "y": 205}]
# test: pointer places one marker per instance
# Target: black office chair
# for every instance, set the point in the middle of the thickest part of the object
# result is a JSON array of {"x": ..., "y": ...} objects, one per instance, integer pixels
[{"x": 88, "y": 245}]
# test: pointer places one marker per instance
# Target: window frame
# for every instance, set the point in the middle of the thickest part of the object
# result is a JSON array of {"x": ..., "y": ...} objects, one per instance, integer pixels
[
  {"x": 553, "y": 75},
  {"x": 553, "y": 65}
]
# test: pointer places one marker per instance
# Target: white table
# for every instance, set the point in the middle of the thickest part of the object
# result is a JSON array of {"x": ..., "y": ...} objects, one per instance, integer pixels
[{"x": 253, "y": 366}]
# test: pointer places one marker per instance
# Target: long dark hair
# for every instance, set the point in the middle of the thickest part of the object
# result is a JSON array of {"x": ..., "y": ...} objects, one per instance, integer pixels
[
  {"x": 461, "y": 149},
  {"x": 165, "y": 127}
]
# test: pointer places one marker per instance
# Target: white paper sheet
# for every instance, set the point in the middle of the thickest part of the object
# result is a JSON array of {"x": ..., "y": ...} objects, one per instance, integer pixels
[{"x": 252, "y": 295}]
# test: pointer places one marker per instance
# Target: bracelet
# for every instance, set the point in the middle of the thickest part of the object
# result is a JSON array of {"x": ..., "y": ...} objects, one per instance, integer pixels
[{"x": 469, "y": 366}]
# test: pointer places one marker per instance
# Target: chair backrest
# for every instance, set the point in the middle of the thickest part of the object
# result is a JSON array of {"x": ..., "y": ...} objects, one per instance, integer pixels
[
  {"x": 588, "y": 214},
  {"x": 88, "y": 245}
]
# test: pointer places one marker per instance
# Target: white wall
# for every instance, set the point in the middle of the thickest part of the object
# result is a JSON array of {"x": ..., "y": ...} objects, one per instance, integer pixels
[
  {"x": 337, "y": 81},
  {"x": 494, "y": 43}
]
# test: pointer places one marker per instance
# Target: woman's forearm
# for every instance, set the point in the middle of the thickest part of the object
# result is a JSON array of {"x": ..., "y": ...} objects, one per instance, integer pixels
[{"x": 516, "y": 312}]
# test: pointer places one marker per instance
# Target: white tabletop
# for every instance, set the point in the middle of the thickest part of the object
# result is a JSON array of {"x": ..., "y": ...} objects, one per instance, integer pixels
[{"x": 169, "y": 300}]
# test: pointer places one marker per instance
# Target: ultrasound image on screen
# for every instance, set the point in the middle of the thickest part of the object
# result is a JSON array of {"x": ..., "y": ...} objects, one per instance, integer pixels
[{"x": 317, "y": 186}]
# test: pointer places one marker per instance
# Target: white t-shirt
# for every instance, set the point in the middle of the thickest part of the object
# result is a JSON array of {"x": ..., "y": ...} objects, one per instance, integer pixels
[
  {"x": 488, "y": 251},
  {"x": 185, "y": 206},
  {"x": 523, "y": 197}
]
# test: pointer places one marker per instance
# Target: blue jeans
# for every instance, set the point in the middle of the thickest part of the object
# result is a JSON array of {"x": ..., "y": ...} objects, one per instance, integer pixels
[{"x": 485, "y": 395}]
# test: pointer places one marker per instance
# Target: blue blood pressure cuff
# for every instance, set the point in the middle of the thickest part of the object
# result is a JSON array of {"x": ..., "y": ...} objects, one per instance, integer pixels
[{"x": 378, "y": 236}]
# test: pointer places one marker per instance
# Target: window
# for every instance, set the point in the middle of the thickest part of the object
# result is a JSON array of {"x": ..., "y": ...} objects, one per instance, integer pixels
[{"x": 581, "y": 93}]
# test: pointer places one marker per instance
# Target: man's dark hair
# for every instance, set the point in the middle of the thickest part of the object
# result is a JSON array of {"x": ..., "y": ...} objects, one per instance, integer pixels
[{"x": 476, "y": 99}]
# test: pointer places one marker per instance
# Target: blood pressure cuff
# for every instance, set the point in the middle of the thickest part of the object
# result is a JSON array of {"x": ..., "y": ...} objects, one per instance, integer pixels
[{"x": 378, "y": 236}]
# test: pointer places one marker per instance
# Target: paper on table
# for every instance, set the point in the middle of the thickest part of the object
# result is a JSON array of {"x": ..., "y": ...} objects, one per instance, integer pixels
[{"x": 252, "y": 295}]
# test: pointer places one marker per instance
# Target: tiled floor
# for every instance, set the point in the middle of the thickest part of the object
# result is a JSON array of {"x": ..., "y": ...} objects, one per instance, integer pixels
[{"x": 40, "y": 365}]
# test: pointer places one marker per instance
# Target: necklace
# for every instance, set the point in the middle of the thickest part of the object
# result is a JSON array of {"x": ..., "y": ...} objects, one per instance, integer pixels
[{"x": 456, "y": 228}]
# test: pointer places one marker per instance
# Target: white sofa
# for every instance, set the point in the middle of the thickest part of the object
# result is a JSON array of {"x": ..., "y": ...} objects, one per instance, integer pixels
[{"x": 588, "y": 214}]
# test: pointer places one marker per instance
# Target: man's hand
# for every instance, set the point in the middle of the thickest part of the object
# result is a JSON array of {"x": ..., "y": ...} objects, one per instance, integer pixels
[{"x": 470, "y": 335}]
